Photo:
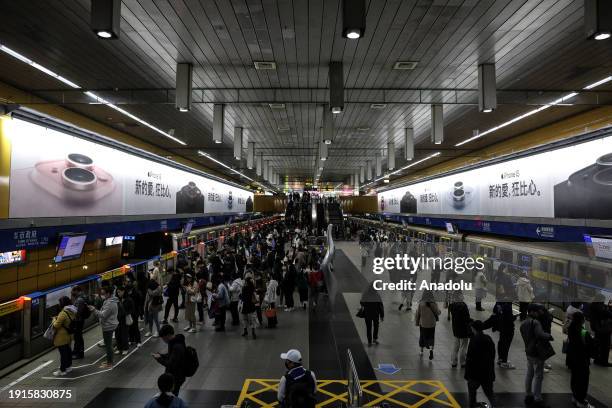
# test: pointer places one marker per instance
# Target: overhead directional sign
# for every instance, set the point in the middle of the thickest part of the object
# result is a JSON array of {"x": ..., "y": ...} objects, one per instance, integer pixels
[{"x": 388, "y": 368}]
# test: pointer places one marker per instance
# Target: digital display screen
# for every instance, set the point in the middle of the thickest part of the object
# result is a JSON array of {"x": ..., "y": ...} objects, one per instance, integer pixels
[
  {"x": 70, "y": 247},
  {"x": 187, "y": 228},
  {"x": 114, "y": 241},
  {"x": 601, "y": 247},
  {"x": 450, "y": 228},
  {"x": 12, "y": 257}
]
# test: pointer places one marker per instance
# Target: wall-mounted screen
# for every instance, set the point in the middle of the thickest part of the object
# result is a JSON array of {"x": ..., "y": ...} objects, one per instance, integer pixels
[
  {"x": 450, "y": 228},
  {"x": 187, "y": 227},
  {"x": 601, "y": 247},
  {"x": 12, "y": 257},
  {"x": 70, "y": 246},
  {"x": 569, "y": 182},
  {"x": 114, "y": 241}
]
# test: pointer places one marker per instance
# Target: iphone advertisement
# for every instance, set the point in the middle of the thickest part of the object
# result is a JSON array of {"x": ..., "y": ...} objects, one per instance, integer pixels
[
  {"x": 54, "y": 174},
  {"x": 570, "y": 182}
]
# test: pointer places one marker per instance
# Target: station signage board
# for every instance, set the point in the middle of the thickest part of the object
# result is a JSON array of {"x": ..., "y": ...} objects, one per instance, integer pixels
[
  {"x": 568, "y": 182},
  {"x": 55, "y": 174}
]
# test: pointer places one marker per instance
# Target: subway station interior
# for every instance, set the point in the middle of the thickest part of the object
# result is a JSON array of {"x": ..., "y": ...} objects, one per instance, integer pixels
[{"x": 305, "y": 203}]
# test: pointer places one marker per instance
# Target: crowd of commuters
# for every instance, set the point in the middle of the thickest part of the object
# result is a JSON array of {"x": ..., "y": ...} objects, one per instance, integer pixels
[{"x": 473, "y": 349}]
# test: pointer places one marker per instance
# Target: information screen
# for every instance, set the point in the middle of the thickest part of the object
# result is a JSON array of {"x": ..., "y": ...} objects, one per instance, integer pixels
[
  {"x": 601, "y": 247},
  {"x": 114, "y": 241},
  {"x": 12, "y": 257},
  {"x": 450, "y": 228},
  {"x": 187, "y": 228},
  {"x": 70, "y": 247}
]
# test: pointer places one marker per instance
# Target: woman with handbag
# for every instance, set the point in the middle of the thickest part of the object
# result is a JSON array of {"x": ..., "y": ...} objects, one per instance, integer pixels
[
  {"x": 270, "y": 301},
  {"x": 426, "y": 318},
  {"x": 62, "y": 334},
  {"x": 125, "y": 307},
  {"x": 192, "y": 297},
  {"x": 579, "y": 350},
  {"x": 372, "y": 311}
]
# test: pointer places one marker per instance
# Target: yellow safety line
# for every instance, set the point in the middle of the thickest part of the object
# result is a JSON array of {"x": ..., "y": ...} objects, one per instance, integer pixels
[
  {"x": 449, "y": 395},
  {"x": 419, "y": 394},
  {"x": 429, "y": 397},
  {"x": 390, "y": 394}
]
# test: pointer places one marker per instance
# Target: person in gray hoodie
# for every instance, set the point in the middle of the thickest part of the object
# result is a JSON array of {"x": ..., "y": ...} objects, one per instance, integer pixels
[{"x": 107, "y": 315}]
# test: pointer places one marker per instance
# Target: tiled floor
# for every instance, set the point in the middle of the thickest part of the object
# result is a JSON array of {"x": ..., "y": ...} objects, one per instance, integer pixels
[{"x": 227, "y": 359}]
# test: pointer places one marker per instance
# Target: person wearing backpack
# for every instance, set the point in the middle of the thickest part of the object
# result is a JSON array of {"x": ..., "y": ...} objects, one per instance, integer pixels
[
  {"x": 460, "y": 318},
  {"x": 174, "y": 360},
  {"x": 297, "y": 388},
  {"x": 80, "y": 303},
  {"x": 534, "y": 337},
  {"x": 579, "y": 351},
  {"x": 165, "y": 398},
  {"x": 64, "y": 325},
  {"x": 153, "y": 305},
  {"x": 426, "y": 318}
]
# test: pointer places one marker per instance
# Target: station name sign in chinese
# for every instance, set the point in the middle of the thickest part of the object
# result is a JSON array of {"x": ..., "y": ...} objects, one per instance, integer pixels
[
  {"x": 569, "y": 182},
  {"x": 55, "y": 174}
]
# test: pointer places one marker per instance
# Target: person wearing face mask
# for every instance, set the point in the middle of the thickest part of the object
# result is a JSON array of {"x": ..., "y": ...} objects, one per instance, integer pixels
[
  {"x": 297, "y": 388},
  {"x": 107, "y": 315}
]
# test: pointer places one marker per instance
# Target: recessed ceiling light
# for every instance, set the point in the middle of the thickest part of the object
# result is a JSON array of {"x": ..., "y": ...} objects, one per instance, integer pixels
[
  {"x": 283, "y": 128},
  {"x": 104, "y": 34},
  {"x": 378, "y": 106},
  {"x": 405, "y": 65},
  {"x": 276, "y": 105},
  {"x": 602, "y": 36},
  {"x": 328, "y": 141},
  {"x": 265, "y": 65},
  {"x": 336, "y": 109},
  {"x": 363, "y": 129}
]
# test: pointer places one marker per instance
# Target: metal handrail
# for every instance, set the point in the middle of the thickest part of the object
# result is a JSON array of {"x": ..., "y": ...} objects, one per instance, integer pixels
[{"x": 355, "y": 392}]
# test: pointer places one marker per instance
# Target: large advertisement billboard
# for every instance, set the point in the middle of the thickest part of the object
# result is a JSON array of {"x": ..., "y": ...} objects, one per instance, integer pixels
[
  {"x": 54, "y": 174},
  {"x": 569, "y": 182}
]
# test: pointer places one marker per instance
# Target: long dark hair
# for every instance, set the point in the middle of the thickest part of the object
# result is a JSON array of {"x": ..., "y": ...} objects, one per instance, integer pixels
[
  {"x": 165, "y": 383},
  {"x": 576, "y": 325}
]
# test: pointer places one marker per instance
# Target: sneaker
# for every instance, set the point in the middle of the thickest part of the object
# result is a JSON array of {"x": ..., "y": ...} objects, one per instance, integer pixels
[
  {"x": 462, "y": 365},
  {"x": 191, "y": 330},
  {"x": 187, "y": 328},
  {"x": 376, "y": 341},
  {"x": 421, "y": 352},
  {"x": 431, "y": 354},
  {"x": 155, "y": 335},
  {"x": 147, "y": 334},
  {"x": 507, "y": 365},
  {"x": 124, "y": 353},
  {"x": 100, "y": 343},
  {"x": 117, "y": 351},
  {"x": 106, "y": 365},
  {"x": 68, "y": 369},
  {"x": 59, "y": 373}
]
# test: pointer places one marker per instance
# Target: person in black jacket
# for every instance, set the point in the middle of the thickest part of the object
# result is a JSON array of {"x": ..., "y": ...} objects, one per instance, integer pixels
[
  {"x": 373, "y": 310},
  {"x": 174, "y": 360},
  {"x": 480, "y": 364},
  {"x": 173, "y": 290},
  {"x": 460, "y": 315},
  {"x": 134, "y": 330},
  {"x": 579, "y": 352},
  {"x": 125, "y": 308},
  {"x": 601, "y": 324},
  {"x": 502, "y": 320}
]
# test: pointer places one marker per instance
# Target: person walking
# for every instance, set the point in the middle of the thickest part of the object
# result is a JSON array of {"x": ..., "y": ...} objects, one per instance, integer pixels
[
  {"x": 165, "y": 398},
  {"x": 373, "y": 312},
  {"x": 222, "y": 300},
  {"x": 460, "y": 319},
  {"x": 579, "y": 351},
  {"x": 302, "y": 286},
  {"x": 80, "y": 303},
  {"x": 172, "y": 290},
  {"x": 107, "y": 316},
  {"x": 191, "y": 299},
  {"x": 533, "y": 334},
  {"x": 525, "y": 294},
  {"x": 64, "y": 324},
  {"x": 174, "y": 359},
  {"x": 298, "y": 387},
  {"x": 480, "y": 365},
  {"x": 154, "y": 301},
  {"x": 427, "y": 315}
]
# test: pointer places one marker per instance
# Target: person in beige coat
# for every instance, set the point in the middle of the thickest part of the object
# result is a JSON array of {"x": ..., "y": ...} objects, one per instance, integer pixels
[
  {"x": 63, "y": 337},
  {"x": 426, "y": 318}
]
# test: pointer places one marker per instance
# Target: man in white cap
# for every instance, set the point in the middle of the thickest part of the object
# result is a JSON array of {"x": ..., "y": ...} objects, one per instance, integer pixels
[{"x": 298, "y": 386}]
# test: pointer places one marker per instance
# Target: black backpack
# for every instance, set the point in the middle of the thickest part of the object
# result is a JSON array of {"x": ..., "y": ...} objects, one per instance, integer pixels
[
  {"x": 71, "y": 328},
  {"x": 299, "y": 394},
  {"x": 191, "y": 362},
  {"x": 83, "y": 311}
]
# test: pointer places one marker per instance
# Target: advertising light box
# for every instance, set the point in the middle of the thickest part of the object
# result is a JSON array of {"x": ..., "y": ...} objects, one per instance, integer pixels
[
  {"x": 54, "y": 174},
  {"x": 569, "y": 182}
]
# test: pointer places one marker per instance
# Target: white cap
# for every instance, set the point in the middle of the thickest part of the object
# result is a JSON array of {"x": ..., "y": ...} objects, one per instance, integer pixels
[{"x": 292, "y": 355}]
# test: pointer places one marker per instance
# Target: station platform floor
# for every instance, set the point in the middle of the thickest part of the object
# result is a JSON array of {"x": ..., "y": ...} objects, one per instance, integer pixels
[{"x": 238, "y": 370}]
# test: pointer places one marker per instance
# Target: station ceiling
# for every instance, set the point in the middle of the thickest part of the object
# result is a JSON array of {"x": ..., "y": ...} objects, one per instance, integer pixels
[{"x": 539, "y": 47}]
